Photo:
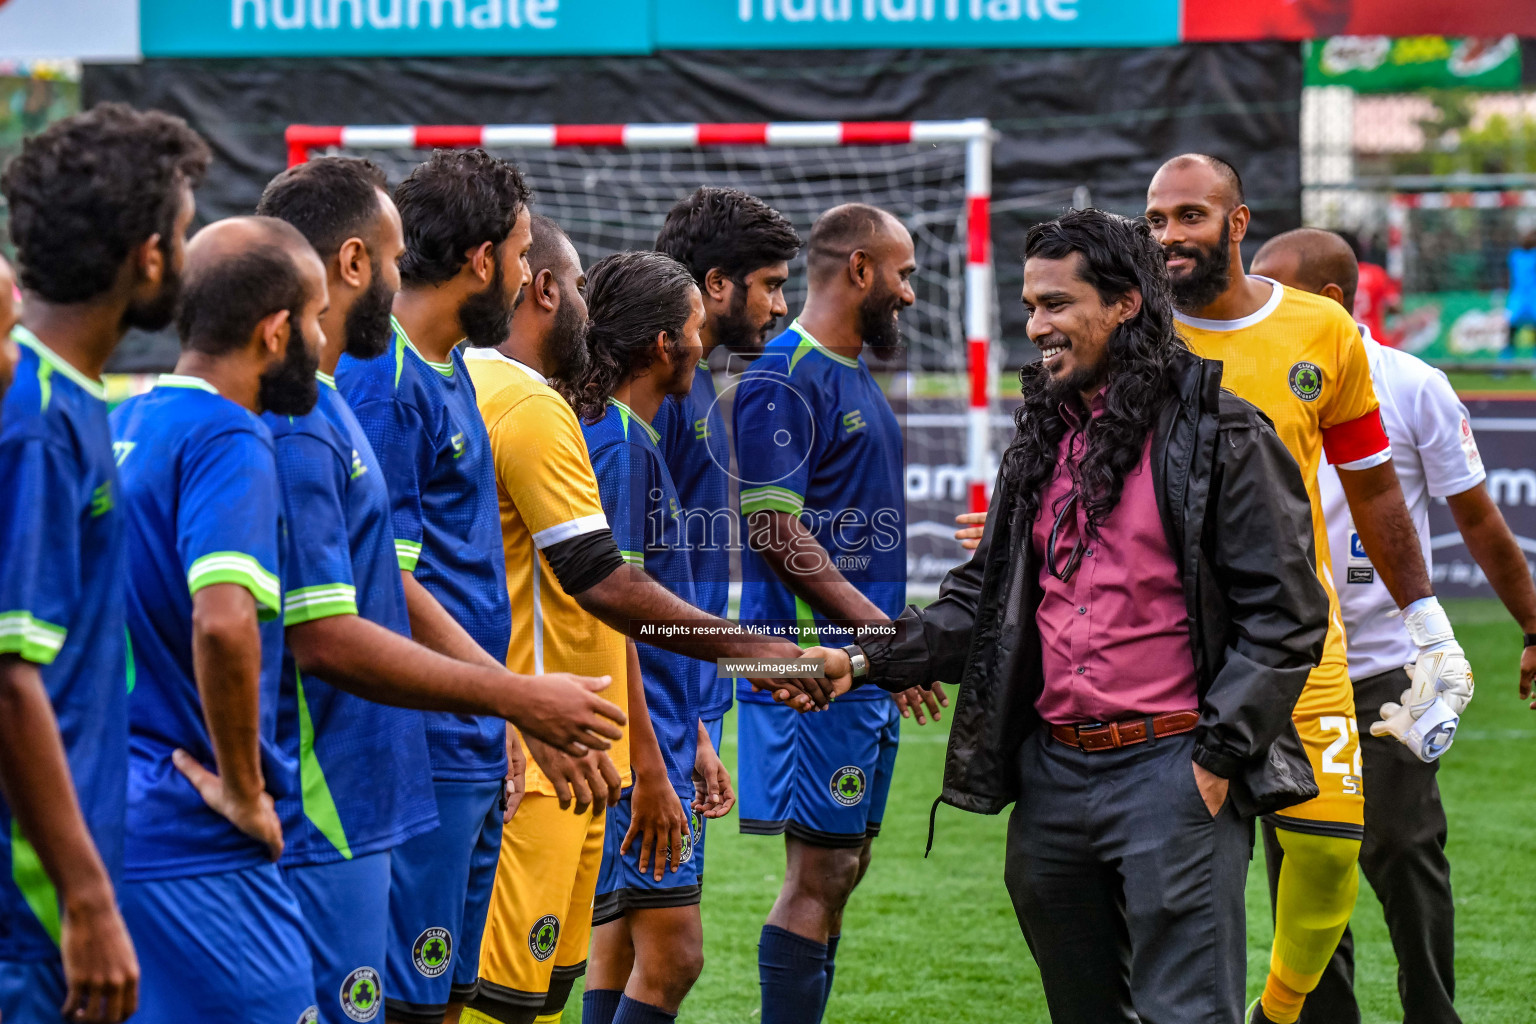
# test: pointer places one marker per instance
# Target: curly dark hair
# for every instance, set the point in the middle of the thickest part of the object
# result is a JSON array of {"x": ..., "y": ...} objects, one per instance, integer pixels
[
  {"x": 1118, "y": 255},
  {"x": 455, "y": 201},
  {"x": 631, "y": 298},
  {"x": 729, "y": 229},
  {"x": 88, "y": 190},
  {"x": 329, "y": 199}
]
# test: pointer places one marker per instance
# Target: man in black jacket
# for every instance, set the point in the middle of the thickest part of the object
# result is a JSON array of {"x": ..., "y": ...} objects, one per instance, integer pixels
[{"x": 1130, "y": 638}]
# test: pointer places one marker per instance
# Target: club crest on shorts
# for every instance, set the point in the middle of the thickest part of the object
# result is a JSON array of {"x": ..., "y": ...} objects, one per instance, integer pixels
[
  {"x": 690, "y": 838},
  {"x": 432, "y": 952},
  {"x": 1306, "y": 381},
  {"x": 361, "y": 994},
  {"x": 543, "y": 937},
  {"x": 311, "y": 1015},
  {"x": 848, "y": 785}
]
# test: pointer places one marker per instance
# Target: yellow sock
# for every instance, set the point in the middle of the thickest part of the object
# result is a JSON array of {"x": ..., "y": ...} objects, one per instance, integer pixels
[{"x": 1319, "y": 880}]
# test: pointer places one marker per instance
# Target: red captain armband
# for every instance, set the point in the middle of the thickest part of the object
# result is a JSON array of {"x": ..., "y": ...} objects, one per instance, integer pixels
[{"x": 1360, "y": 438}]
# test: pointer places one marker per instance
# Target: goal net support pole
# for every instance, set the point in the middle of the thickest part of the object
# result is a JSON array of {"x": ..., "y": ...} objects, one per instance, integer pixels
[{"x": 975, "y": 135}]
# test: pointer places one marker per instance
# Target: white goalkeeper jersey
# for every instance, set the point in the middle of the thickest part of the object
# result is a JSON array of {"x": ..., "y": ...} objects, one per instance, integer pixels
[{"x": 1435, "y": 455}]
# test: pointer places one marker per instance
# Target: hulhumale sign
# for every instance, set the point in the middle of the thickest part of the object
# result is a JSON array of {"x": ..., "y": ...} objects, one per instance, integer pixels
[
  {"x": 242, "y": 28},
  {"x": 772, "y": 24},
  {"x": 229, "y": 28}
]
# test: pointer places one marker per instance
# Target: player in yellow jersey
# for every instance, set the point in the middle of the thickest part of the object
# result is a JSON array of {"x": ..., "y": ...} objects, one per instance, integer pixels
[
  {"x": 1299, "y": 358},
  {"x": 573, "y": 599}
]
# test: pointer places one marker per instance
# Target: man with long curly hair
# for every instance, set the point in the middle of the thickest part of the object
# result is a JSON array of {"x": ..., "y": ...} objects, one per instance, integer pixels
[{"x": 1131, "y": 636}]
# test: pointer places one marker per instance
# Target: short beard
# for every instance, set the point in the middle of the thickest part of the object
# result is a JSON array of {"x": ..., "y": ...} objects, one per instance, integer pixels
[
  {"x": 1207, "y": 279},
  {"x": 157, "y": 313},
  {"x": 289, "y": 388},
  {"x": 879, "y": 327},
  {"x": 367, "y": 326},
  {"x": 486, "y": 316},
  {"x": 736, "y": 331},
  {"x": 565, "y": 350}
]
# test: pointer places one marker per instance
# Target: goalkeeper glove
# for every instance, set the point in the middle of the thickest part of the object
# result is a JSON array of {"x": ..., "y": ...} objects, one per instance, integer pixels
[{"x": 1431, "y": 708}]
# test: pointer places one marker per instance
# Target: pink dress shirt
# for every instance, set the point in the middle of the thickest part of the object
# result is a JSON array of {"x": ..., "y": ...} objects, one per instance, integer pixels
[{"x": 1115, "y": 636}]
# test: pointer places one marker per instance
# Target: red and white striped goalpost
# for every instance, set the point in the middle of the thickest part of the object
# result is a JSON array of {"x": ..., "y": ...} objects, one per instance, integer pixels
[{"x": 974, "y": 134}]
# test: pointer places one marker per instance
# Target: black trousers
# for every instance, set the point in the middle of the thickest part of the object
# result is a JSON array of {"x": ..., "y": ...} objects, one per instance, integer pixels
[
  {"x": 1129, "y": 893},
  {"x": 1403, "y": 857}
]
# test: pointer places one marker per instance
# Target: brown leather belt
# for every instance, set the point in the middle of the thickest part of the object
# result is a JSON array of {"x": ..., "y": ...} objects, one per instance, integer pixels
[{"x": 1095, "y": 736}]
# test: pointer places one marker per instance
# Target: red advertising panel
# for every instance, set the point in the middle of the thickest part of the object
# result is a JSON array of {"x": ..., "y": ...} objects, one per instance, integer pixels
[{"x": 1236, "y": 20}]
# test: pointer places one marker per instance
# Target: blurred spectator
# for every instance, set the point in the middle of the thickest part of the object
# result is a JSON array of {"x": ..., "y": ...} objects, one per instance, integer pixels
[
  {"x": 1521, "y": 305},
  {"x": 1378, "y": 295}
]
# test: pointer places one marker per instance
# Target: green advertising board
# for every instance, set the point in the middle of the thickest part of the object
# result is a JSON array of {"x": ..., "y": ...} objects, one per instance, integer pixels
[
  {"x": 1384, "y": 64},
  {"x": 1460, "y": 327}
]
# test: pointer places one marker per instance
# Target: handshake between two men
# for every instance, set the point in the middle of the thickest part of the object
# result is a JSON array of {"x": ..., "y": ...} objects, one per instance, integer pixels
[{"x": 836, "y": 671}]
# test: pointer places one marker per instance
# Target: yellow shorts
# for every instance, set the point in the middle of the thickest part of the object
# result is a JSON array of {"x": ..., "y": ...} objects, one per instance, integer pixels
[
  {"x": 1325, "y": 720},
  {"x": 540, "y": 920}
]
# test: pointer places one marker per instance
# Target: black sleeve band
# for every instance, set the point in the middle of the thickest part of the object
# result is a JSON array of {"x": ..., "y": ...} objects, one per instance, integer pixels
[{"x": 583, "y": 562}]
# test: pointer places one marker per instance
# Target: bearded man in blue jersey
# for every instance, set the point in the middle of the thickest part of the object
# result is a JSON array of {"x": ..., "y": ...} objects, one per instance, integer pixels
[
  {"x": 738, "y": 249},
  {"x": 821, "y": 465},
  {"x": 100, "y": 204},
  {"x": 221, "y": 933}
]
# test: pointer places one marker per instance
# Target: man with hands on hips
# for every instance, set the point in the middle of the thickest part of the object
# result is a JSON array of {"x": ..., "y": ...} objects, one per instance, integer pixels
[{"x": 1137, "y": 725}]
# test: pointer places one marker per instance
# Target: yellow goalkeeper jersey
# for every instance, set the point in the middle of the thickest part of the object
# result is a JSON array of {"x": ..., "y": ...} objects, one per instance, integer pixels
[
  {"x": 547, "y": 493},
  {"x": 1300, "y": 359}
]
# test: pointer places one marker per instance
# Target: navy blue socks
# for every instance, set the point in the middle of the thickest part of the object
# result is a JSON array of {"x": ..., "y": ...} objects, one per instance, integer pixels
[
  {"x": 831, "y": 968},
  {"x": 598, "y": 1005},
  {"x": 793, "y": 972},
  {"x": 632, "y": 1011}
]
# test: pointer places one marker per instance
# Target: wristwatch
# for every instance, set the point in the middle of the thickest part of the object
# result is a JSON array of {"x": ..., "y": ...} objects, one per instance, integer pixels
[
  {"x": 1530, "y": 639},
  {"x": 858, "y": 662}
]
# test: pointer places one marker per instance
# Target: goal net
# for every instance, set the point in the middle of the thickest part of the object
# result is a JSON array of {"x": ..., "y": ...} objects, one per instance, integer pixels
[{"x": 610, "y": 187}]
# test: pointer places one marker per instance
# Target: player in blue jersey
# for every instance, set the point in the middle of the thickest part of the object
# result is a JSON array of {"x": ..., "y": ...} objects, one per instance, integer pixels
[
  {"x": 467, "y": 234},
  {"x": 100, "y": 204},
  {"x": 367, "y": 785},
  {"x": 9, "y": 352},
  {"x": 738, "y": 249},
  {"x": 220, "y": 933},
  {"x": 648, "y": 939},
  {"x": 819, "y": 455}
]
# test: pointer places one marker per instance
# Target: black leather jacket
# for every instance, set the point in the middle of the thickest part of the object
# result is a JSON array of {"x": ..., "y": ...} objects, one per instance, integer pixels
[{"x": 1239, "y": 523}]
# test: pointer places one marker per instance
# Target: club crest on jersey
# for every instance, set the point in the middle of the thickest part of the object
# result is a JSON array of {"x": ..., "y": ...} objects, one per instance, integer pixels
[
  {"x": 361, "y": 994},
  {"x": 1306, "y": 381},
  {"x": 311, "y": 1015},
  {"x": 543, "y": 937},
  {"x": 432, "y": 952},
  {"x": 848, "y": 785}
]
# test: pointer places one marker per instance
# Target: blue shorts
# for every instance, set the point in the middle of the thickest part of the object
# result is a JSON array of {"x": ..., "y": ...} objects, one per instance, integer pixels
[
  {"x": 346, "y": 918},
  {"x": 32, "y": 993},
  {"x": 228, "y": 947},
  {"x": 622, "y": 886},
  {"x": 439, "y": 890},
  {"x": 821, "y": 777}
]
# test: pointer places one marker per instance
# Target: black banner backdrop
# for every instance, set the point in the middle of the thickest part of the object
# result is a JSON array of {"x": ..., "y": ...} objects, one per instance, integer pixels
[{"x": 1098, "y": 119}]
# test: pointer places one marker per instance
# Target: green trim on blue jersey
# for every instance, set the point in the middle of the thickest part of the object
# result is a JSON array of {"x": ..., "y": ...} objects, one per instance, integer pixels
[
  {"x": 319, "y": 804},
  {"x": 770, "y": 498},
  {"x": 405, "y": 342},
  {"x": 183, "y": 380},
  {"x": 131, "y": 670},
  {"x": 407, "y": 553},
  {"x": 319, "y": 602},
  {"x": 44, "y": 385},
  {"x": 326, "y": 379},
  {"x": 805, "y": 619},
  {"x": 627, "y": 415},
  {"x": 807, "y": 339},
  {"x": 33, "y": 639},
  {"x": 633, "y": 557},
  {"x": 95, "y": 388},
  {"x": 32, "y": 881},
  {"x": 241, "y": 569}
]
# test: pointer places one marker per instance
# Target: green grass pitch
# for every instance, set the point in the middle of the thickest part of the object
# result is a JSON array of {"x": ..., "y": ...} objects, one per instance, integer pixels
[{"x": 936, "y": 940}]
